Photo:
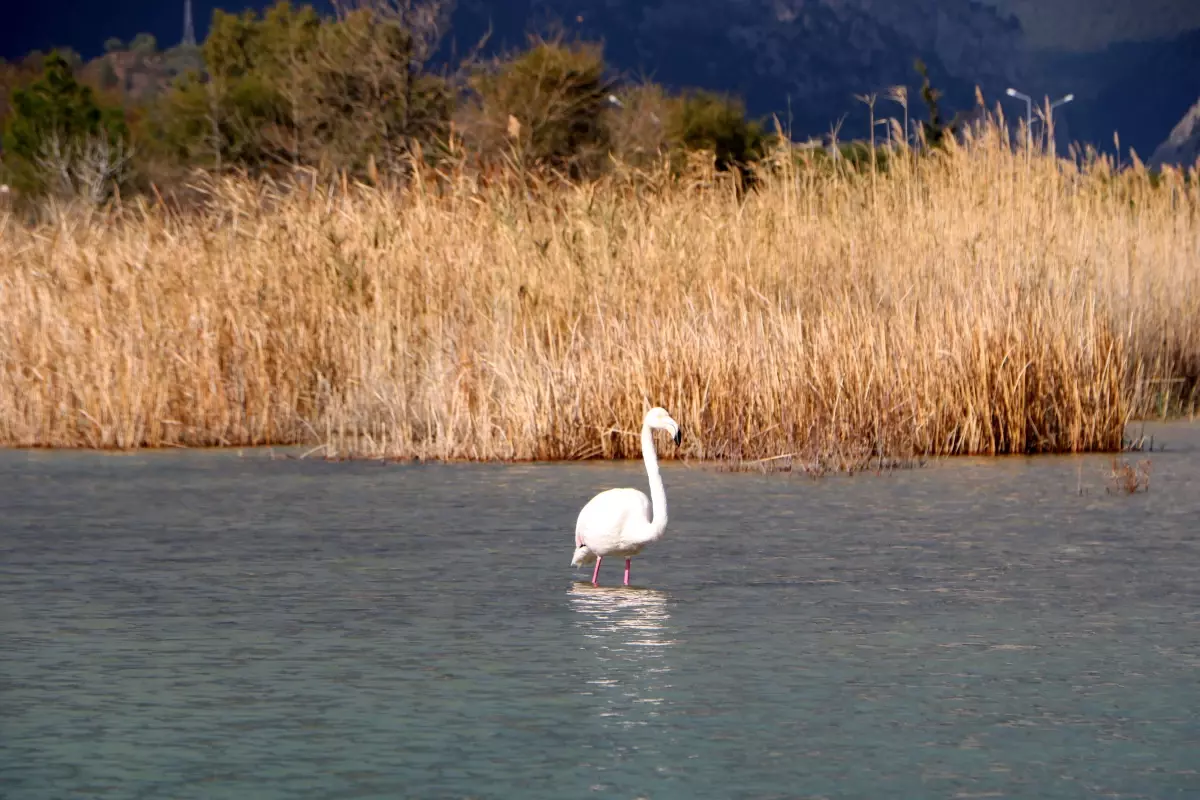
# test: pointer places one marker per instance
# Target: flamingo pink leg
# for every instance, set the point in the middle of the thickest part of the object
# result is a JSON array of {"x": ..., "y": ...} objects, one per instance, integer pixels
[
  {"x": 596, "y": 571},
  {"x": 627, "y": 572}
]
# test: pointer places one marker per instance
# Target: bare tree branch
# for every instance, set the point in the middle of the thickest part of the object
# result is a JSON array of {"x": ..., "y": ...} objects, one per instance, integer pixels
[{"x": 86, "y": 169}]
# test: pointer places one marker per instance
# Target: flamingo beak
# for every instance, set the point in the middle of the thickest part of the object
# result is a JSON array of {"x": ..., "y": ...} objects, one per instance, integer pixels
[{"x": 678, "y": 436}]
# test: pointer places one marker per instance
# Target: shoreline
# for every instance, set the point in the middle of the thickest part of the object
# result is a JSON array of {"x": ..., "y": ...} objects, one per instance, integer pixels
[{"x": 1146, "y": 443}]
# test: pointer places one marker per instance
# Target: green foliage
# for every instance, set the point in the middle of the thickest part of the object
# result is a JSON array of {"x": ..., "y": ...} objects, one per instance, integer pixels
[
  {"x": 857, "y": 156},
  {"x": 364, "y": 97},
  {"x": 936, "y": 129},
  {"x": 716, "y": 123},
  {"x": 176, "y": 128},
  {"x": 546, "y": 104},
  {"x": 233, "y": 45},
  {"x": 242, "y": 101},
  {"x": 861, "y": 157},
  {"x": 292, "y": 88},
  {"x": 55, "y": 111},
  {"x": 853, "y": 157},
  {"x": 113, "y": 45},
  {"x": 289, "y": 88},
  {"x": 232, "y": 113}
]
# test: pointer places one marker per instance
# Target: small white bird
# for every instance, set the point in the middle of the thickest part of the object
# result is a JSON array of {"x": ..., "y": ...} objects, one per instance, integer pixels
[{"x": 620, "y": 522}]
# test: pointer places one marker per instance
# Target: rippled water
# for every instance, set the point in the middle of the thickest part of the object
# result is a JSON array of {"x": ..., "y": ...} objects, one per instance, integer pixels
[{"x": 198, "y": 625}]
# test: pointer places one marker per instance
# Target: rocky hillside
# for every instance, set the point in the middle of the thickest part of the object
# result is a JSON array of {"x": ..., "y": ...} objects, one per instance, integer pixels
[
  {"x": 1182, "y": 147},
  {"x": 140, "y": 74},
  {"x": 1139, "y": 89},
  {"x": 1082, "y": 26}
]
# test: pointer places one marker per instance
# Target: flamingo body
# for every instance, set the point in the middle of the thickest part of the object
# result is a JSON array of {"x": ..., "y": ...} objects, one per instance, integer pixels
[{"x": 611, "y": 524}]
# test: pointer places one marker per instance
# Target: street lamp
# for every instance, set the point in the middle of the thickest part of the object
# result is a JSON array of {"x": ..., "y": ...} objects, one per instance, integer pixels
[
  {"x": 1048, "y": 118},
  {"x": 1061, "y": 101},
  {"x": 1028, "y": 108}
]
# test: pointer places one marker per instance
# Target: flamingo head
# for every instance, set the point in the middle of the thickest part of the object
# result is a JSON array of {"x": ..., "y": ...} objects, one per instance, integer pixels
[{"x": 658, "y": 417}]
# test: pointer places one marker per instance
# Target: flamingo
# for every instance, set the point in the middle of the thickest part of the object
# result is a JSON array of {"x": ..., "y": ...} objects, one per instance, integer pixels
[{"x": 619, "y": 521}]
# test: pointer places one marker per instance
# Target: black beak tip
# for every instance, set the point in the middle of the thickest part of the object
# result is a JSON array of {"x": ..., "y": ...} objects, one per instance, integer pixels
[{"x": 678, "y": 437}]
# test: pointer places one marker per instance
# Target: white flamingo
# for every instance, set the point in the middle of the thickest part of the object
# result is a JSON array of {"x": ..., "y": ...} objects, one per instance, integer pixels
[{"x": 619, "y": 522}]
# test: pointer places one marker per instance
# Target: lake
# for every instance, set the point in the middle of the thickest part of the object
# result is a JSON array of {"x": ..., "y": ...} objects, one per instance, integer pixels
[{"x": 203, "y": 624}]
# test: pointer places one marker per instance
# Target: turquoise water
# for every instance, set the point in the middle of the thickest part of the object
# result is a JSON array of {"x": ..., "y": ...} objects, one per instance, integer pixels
[{"x": 199, "y": 625}]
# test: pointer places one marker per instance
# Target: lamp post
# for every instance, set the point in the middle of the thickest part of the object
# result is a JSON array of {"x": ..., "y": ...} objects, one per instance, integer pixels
[
  {"x": 1050, "y": 117},
  {"x": 1028, "y": 112},
  {"x": 1062, "y": 101}
]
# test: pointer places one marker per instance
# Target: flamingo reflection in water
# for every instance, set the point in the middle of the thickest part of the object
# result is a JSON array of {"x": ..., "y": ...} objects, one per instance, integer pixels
[{"x": 630, "y": 634}]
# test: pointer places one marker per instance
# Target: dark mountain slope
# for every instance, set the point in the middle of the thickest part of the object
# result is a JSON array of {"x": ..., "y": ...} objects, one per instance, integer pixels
[{"x": 811, "y": 55}]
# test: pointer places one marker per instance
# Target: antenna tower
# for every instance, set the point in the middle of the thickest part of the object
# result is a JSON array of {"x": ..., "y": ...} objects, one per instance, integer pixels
[{"x": 189, "y": 31}]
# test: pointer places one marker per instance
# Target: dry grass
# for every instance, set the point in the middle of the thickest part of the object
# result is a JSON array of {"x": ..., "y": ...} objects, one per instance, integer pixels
[{"x": 971, "y": 303}]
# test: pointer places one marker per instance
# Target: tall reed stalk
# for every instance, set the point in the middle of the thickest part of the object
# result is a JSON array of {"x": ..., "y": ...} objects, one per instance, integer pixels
[{"x": 973, "y": 301}]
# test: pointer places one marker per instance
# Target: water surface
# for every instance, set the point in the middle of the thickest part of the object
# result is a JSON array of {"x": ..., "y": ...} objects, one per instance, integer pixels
[{"x": 199, "y": 625}]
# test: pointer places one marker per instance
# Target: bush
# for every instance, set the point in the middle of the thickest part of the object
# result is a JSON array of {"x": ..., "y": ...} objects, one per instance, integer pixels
[
  {"x": 546, "y": 107},
  {"x": 716, "y": 123},
  {"x": 640, "y": 126}
]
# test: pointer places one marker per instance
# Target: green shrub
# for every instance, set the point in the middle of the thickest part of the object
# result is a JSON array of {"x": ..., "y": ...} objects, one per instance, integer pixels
[{"x": 546, "y": 106}]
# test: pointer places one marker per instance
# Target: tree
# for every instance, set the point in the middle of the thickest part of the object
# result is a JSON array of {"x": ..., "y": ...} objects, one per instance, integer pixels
[
  {"x": 55, "y": 126},
  {"x": 368, "y": 96},
  {"x": 936, "y": 129},
  {"x": 292, "y": 88}
]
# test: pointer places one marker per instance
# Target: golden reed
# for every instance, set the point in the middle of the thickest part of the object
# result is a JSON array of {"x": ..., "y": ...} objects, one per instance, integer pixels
[{"x": 979, "y": 301}]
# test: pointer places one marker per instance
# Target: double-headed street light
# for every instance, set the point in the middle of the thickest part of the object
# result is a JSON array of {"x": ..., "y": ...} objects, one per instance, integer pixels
[{"x": 1029, "y": 109}]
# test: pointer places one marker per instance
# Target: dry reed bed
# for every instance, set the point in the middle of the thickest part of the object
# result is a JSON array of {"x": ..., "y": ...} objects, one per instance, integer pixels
[{"x": 972, "y": 303}]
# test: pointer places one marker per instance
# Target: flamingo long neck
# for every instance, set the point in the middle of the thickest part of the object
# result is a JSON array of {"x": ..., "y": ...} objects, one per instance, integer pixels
[{"x": 658, "y": 496}]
